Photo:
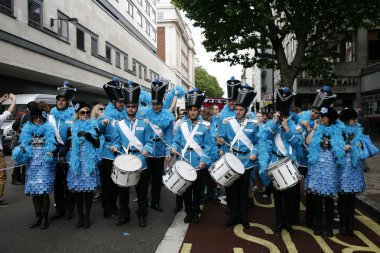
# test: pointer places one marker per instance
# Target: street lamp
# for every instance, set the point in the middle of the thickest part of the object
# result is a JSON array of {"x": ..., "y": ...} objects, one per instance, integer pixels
[{"x": 65, "y": 19}]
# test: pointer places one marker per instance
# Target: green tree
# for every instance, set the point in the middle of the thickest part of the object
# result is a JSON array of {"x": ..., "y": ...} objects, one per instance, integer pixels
[
  {"x": 208, "y": 83},
  {"x": 231, "y": 27}
]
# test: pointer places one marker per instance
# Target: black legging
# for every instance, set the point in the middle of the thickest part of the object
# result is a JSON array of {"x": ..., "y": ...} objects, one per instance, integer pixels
[
  {"x": 87, "y": 198},
  {"x": 346, "y": 209},
  {"x": 318, "y": 208},
  {"x": 41, "y": 205}
]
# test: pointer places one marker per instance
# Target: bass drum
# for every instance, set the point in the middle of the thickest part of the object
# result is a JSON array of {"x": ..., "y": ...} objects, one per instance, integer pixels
[{"x": 126, "y": 170}]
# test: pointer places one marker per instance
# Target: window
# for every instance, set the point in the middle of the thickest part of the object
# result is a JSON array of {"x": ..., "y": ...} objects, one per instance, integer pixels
[
  {"x": 6, "y": 6},
  {"x": 130, "y": 8},
  {"x": 147, "y": 8},
  {"x": 374, "y": 45},
  {"x": 140, "y": 72},
  {"x": 117, "y": 60},
  {"x": 134, "y": 67},
  {"x": 94, "y": 45},
  {"x": 145, "y": 73},
  {"x": 108, "y": 53},
  {"x": 160, "y": 15},
  {"x": 140, "y": 2},
  {"x": 80, "y": 39},
  {"x": 154, "y": 34},
  {"x": 154, "y": 16},
  {"x": 147, "y": 27},
  {"x": 35, "y": 13},
  {"x": 125, "y": 62},
  {"x": 63, "y": 27},
  {"x": 139, "y": 19}
]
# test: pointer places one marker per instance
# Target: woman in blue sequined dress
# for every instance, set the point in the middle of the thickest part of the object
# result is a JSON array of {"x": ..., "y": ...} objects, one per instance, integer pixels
[
  {"x": 37, "y": 143},
  {"x": 83, "y": 175},
  {"x": 326, "y": 154}
]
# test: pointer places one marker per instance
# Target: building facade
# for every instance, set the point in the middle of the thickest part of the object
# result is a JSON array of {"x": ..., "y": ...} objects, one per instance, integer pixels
[
  {"x": 175, "y": 45},
  {"x": 43, "y": 43}
]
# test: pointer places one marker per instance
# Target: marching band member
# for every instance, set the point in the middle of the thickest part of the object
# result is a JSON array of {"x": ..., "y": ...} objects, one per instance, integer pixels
[
  {"x": 352, "y": 175},
  {"x": 278, "y": 140},
  {"x": 242, "y": 134},
  {"x": 83, "y": 176},
  {"x": 37, "y": 143},
  {"x": 114, "y": 112},
  {"x": 192, "y": 139},
  {"x": 133, "y": 136},
  {"x": 61, "y": 118},
  {"x": 326, "y": 153},
  {"x": 307, "y": 121}
]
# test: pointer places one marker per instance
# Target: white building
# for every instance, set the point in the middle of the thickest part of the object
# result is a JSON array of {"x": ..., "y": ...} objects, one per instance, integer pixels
[
  {"x": 175, "y": 44},
  {"x": 43, "y": 43}
]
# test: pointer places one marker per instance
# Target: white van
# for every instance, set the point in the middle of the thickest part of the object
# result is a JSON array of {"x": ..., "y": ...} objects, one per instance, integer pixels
[{"x": 21, "y": 101}]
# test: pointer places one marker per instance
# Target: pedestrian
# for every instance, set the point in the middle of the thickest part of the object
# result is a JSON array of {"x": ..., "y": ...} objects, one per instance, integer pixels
[
  {"x": 3, "y": 173},
  {"x": 83, "y": 175},
  {"x": 37, "y": 144}
]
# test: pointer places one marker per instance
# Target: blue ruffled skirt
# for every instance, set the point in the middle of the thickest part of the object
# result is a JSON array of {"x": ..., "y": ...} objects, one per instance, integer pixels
[
  {"x": 323, "y": 177},
  {"x": 352, "y": 178},
  {"x": 83, "y": 180},
  {"x": 40, "y": 174}
]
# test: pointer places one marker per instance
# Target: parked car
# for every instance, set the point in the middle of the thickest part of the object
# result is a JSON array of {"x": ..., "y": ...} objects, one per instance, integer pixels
[{"x": 21, "y": 101}]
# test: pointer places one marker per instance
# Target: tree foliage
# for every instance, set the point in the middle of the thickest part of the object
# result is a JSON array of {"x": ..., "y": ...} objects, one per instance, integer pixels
[
  {"x": 208, "y": 83},
  {"x": 231, "y": 27}
]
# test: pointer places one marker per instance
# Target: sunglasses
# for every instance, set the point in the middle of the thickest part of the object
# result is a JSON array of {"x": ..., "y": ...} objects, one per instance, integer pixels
[
  {"x": 101, "y": 109},
  {"x": 131, "y": 106},
  {"x": 84, "y": 112}
]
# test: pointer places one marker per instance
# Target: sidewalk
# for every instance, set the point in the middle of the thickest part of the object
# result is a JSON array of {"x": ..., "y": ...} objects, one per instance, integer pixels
[{"x": 370, "y": 199}]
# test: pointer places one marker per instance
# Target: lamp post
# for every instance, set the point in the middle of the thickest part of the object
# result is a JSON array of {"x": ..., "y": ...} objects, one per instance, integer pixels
[{"x": 64, "y": 19}]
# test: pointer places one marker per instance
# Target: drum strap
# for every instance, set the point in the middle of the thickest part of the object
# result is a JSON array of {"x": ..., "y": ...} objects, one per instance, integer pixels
[
  {"x": 157, "y": 130},
  {"x": 190, "y": 138},
  {"x": 133, "y": 141},
  {"x": 280, "y": 145},
  {"x": 239, "y": 134},
  {"x": 56, "y": 130}
]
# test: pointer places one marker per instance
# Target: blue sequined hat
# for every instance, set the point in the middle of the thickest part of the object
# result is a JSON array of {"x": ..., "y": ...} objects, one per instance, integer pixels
[
  {"x": 233, "y": 86},
  {"x": 113, "y": 90},
  {"x": 67, "y": 91},
  {"x": 325, "y": 97}
]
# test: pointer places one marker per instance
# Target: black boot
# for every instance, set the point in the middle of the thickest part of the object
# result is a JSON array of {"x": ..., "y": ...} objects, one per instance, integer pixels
[
  {"x": 45, "y": 222},
  {"x": 318, "y": 229},
  {"x": 329, "y": 231},
  {"x": 80, "y": 221},
  {"x": 88, "y": 198},
  {"x": 86, "y": 222},
  {"x": 350, "y": 227},
  {"x": 45, "y": 211},
  {"x": 142, "y": 222},
  {"x": 37, "y": 221}
]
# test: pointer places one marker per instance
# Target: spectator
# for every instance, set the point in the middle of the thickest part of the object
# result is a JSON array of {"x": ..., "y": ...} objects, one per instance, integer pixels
[
  {"x": 3, "y": 173},
  {"x": 44, "y": 106}
]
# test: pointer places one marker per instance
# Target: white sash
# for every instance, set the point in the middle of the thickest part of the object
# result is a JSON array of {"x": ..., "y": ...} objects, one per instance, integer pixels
[
  {"x": 54, "y": 123},
  {"x": 239, "y": 134},
  {"x": 280, "y": 145},
  {"x": 133, "y": 141},
  {"x": 157, "y": 130},
  {"x": 190, "y": 140}
]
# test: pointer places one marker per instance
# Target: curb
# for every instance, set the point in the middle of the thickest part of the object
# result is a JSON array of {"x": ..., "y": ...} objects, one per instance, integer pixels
[{"x": 369, "y": 206}]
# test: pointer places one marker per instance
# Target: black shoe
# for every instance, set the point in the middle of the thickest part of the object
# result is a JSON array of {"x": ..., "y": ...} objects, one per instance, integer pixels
[
  {"x": 188, "y": 218},
  {"x": 36, "y": 222},
  {"x": 122, "y": 220},
  {"x": 231, "y": 222},
  {"x": 329, "y": 232},
  {"x": 142, "y": 222},
  {"x": 317, "y": 230},
  {"x": 196, "y": 219},
  {"x": 16, "y": 182},
  {"x": 245, "y": 224},
  {"x": 114, "y": 216},
  {"x": 177, "y": 209},
  {"x": 57, "y": 215},
  {"x": 3, "y": 203},
  {"x": 69, "y": 216},
  {"x": 289, "y": 228},
  {"x": 279, "y": 227},
  {"x": 80, "y": 221},
  {"x": 44, "y": 223},
  {"x": 156, "y": 207},
  {"x": 86, "y": 222}
]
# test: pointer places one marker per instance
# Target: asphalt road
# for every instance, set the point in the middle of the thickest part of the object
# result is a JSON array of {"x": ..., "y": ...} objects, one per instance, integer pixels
[{"x": 62, "y": 236}]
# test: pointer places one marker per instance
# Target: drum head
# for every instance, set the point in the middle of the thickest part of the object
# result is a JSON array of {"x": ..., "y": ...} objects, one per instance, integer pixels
[
  {"x": 127, "y": 163},
  {"x": 234, "y": 163},
  {"x": 186, "y": 170},
  {"x": 277, "y": 163}
]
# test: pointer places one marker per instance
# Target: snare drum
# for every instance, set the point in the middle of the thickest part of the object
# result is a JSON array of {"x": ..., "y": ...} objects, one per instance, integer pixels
[
  {"x": 179, "y": 177},
  {"x": 126, "y": 170},
  {"x": 283, "y": 174},
  {"x": 227, "y": 169}
]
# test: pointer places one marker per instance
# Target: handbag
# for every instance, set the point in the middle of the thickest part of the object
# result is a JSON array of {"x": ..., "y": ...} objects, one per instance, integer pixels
[{"x": 367, "y": 143}]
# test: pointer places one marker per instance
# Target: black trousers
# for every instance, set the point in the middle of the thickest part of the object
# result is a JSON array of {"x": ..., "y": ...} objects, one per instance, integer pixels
[
  {"x": 346, "y": 209},
  {"x": 238, "y": 195},
  {"x": 109, "y": 188},
  {"x": 142, "y": 195},
  {"x": 192, "y": 195},
  {"x": 328, "y": 202},
  {"x": 284, "y": 204},
  {"x": 156, "y": 168},
  {"x": 309, "y": 200},
  {"x": 64, "y": 199}
]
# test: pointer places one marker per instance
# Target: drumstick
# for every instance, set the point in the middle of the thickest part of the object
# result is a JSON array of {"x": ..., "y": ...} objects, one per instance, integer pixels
[
  {"x": 286, "y": 120},
  {"x": 178, "y": 153},
  {"x": 223, "y": 141},
  {"x": 116, "y": 150}
]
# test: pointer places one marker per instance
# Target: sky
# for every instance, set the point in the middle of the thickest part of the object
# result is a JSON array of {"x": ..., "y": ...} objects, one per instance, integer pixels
[{"x": 222, "y": 71}]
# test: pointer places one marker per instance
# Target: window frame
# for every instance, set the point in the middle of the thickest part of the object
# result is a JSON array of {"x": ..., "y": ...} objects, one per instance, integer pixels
[
  {"x": 84, "y": 39},
  {"x": 31, "y": 21}
]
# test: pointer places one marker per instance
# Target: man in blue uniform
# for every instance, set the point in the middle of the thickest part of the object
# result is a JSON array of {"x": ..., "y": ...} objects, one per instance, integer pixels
[
  {"x": 241, "y": 133},
  {"x": 114, "y": 112},
  {"x": 134, "y": 136},
  {"x": 193, "y": 141},
  {"x": 61, "y": 118}
]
